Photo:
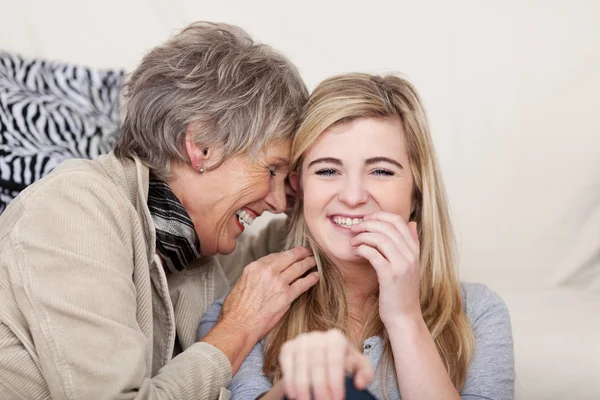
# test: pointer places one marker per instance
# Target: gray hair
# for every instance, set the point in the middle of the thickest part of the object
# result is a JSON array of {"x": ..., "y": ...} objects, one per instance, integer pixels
[{"x": 213, "y": 79}]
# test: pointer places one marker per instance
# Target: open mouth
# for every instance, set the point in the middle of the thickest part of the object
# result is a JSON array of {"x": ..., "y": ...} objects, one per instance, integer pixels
[
  {"x": 346, "y": 222},
  {"x": 245, "y": 217}
]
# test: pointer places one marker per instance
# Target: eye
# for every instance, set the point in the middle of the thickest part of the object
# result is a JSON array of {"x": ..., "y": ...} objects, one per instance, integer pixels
[
  {"x": 383, "y": 172},
  {"x": 326, "y": 172},
  {"x": 272, "y": 171}
]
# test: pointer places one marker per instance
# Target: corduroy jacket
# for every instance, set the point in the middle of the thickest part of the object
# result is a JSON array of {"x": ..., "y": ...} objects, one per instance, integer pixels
[{"x": 86, "y": 309}]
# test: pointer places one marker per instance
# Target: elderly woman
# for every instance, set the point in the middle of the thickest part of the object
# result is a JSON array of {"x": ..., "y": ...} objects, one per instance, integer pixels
[{"x": 107, "y": 266}]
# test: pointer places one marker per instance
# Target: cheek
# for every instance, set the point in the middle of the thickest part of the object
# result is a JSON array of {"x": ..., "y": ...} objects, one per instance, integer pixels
[
  {"x": 394, "y": 198},
  {"x": 253, "y": 190},
  {"x": 316, "y": 196}
]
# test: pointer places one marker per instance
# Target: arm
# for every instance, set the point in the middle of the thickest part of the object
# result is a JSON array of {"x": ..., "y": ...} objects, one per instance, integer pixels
[
  {"x": 392, "y": 247},
  {"x": 491, "y": 373},
  {"x": 421, "y": 372},
  {"x": 249, "y": 382},
  {"x": 73, "y": 257}
]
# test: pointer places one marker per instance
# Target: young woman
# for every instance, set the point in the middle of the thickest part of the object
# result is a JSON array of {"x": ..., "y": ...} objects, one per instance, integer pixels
[{"x": 372, "y": 208}]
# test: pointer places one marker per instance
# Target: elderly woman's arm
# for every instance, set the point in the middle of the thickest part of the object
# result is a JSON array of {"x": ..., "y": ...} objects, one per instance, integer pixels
[
  {"x": 71, "y": 256},
  {"x": 249, "y": 382}
]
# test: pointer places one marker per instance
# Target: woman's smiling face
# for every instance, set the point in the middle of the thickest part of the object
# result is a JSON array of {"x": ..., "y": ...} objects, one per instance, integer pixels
[
  {"x": 352, "y": 170},
  {"x": 240, "y": 189}
]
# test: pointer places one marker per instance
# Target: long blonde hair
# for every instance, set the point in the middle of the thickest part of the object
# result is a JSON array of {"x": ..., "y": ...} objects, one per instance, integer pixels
[{"x": 338, "y": 100}]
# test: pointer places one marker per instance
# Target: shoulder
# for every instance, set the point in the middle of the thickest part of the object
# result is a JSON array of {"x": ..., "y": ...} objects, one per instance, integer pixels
[
  {"x": 72, "y": 178},
  {"x": 491, "y": 370},
  {"x": 76, "y": 203},
  {"x": 483, "y": 306}
]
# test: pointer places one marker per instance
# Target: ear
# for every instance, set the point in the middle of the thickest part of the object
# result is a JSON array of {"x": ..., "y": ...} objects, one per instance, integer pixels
[
  {"x": 295, "y": 181},
  {"x": 202, "y": 156},
  {"x": 193, "y": 152}
]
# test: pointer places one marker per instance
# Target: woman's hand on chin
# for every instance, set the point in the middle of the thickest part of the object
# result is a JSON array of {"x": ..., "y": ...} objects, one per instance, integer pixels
[
  {"x": 267, "y": 288},
  {"x": 316, "y": 363},
  {"x": 392, "y": 247}
]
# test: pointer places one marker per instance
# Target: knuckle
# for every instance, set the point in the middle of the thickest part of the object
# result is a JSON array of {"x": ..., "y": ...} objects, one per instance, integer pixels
[
  {"x": 266, "y": 273},
  {"x": 285, "y": 348},
  {"x": 336, "y": 335},
  {"x": 397, "y": 219},
  {"x": 292, "y": 255}
]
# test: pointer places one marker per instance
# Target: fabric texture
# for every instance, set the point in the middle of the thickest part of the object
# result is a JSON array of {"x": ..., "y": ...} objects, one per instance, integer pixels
[
  {"x": 50, "y": 112},
  {"x": 177, "y": 243},
  {"x": 491, "y": 373},
  {"x": 86, "y": 309}
]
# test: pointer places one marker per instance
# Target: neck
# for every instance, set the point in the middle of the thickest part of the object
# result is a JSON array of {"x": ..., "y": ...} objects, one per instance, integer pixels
[{"x": 360, "y": 281}]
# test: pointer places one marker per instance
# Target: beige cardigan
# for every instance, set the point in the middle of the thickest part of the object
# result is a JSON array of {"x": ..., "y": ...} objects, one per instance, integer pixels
[{"x": 86, "y": 310}]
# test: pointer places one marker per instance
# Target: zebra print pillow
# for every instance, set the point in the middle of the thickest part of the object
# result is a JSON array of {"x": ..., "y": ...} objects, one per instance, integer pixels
[{"x": 50, "y": 112}]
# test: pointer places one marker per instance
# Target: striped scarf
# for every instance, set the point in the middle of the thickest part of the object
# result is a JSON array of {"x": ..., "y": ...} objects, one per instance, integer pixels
[{"x": 177, "y": 243}]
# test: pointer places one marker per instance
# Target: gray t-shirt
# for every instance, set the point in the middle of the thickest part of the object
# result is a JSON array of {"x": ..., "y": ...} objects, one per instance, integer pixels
[{"x": 490, "y": 376}]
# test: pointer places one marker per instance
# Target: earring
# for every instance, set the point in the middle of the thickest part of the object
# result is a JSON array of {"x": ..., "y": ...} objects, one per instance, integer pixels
[{"x": 200, "y": 169}]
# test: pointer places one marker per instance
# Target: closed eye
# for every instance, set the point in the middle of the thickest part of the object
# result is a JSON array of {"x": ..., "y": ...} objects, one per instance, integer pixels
[
  {"x": 383, "y": 172},
  {"x": 272, "y": 171},
  {"x": 326, "y": 172}
]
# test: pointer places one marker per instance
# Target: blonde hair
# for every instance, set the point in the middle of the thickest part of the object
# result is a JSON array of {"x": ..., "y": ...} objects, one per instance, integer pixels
[
  {"x": 214, "y": 79},
  {"x": 338, "y": 100}
]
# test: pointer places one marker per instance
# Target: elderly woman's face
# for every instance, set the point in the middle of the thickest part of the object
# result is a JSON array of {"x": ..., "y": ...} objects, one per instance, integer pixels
[{"x": 221, "y": 202}]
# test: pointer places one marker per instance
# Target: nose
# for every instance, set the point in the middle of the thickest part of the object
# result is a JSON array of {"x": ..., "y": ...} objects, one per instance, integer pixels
[
  {"x": 276, "y": 200},
  {"x": 353, "y": 192}
]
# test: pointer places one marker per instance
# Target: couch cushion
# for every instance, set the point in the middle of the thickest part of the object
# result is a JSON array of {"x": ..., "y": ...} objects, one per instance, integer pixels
[
  {"x": 50, "y": 112},
  {"x": 557, "y": 344}
]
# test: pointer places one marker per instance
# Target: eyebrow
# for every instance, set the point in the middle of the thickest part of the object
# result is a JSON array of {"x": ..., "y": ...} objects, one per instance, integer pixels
[
  {"x": 376, "y": 160},
  {"x": 370, "y": 161},
  {"x": 280, "y": 161}
]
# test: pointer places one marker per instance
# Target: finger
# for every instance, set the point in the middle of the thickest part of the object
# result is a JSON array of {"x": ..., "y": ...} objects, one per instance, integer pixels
[
  {"x": 335, "y": 367},
  {"x": 379, "y": 263},
  {"x": 297, "y": 269},
  {"x": 283, "y": 260},
  {"x": 286, "y": 360},
  {"x": 360, "y": 367},
  {"x": 412, "y": 225},
  {"x": 317, "y": 375},
  {"x": 303, "y": 284},
  {"x": 302, "y": 369},
  {"x": 389, "y": 230},
  {"x": 397, "y": 221},
  {"x": 382, "y": 243}
]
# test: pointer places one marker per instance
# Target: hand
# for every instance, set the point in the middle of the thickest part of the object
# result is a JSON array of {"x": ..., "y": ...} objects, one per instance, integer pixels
[
  {"x": 319, "y": 361},
  {"x": 392, "y": 248},
  {"x": 266, "y": 289}
]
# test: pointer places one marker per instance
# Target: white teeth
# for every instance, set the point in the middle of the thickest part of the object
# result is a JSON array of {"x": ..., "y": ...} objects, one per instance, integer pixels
[
  {"x": 244, "y": 217},
  {"x": 346, "y": 222}
]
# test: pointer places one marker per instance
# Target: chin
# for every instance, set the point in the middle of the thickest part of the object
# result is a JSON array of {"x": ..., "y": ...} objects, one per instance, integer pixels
[
  {"x": 227, "y": 248},
  {"x": 343, "y": 254}
]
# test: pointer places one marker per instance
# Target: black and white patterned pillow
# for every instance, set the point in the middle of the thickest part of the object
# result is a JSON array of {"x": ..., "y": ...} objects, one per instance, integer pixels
[{"x": 50, "y": 112}]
